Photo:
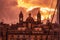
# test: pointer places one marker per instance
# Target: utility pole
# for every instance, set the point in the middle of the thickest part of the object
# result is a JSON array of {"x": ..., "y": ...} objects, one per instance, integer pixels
[{"x": 58, "y": 11}]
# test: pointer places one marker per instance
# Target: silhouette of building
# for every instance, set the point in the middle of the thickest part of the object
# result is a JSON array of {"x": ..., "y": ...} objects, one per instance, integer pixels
[
  {"x": 28, "y": 30},
  {"x": 29, "y": 19},
  {"x": 29, "y": 23},
  {"x": 21, "y": 18},
  {"x": 39, "y": 17}
]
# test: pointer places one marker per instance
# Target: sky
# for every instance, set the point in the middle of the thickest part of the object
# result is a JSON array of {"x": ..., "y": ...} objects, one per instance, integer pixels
[{"x": 10, "y": 9}]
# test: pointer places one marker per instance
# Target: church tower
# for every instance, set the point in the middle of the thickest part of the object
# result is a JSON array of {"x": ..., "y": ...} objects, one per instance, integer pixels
[
  {"x": 39, "y": 17},
  {"x": 21, "y": 17}
]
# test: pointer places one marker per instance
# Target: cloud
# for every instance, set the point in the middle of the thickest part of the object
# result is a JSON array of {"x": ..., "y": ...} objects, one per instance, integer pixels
[
  {"x": 9, "y": 11},
  {"x": 40, "y": 2}
]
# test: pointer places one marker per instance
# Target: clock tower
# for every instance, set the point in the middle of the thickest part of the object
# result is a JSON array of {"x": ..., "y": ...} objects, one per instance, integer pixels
[
  {"x": 39, "y": 17},
  {"x": 21, "y": 17}
]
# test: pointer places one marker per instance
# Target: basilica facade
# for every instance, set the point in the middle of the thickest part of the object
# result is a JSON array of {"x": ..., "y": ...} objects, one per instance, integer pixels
[{"x": 29, "y": 23}]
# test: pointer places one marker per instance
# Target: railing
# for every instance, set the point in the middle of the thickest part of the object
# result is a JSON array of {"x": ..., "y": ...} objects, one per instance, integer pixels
[{"x": 37, "y": 35}]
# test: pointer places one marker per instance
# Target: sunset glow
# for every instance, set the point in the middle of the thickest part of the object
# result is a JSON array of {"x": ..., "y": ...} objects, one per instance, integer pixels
[
  {"x": 10, "y": 9},
  {"x": 29, "y": 5}
]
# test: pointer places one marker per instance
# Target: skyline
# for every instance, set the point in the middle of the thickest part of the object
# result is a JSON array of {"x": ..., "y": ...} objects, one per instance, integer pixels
[{"x": 9, "y": 7}]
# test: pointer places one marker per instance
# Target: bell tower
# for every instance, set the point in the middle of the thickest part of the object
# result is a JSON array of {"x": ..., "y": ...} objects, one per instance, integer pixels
[
  {"x": 21, "y": 17},
  {"x": 39, "y": 17}
]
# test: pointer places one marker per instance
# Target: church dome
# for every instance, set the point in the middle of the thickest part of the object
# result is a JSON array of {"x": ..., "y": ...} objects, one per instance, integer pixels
[{"x": 30, "y": 19}]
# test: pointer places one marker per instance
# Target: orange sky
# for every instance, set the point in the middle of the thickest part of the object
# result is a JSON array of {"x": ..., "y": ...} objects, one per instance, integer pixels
[
  {"x": 44, "y": 3},
  {"x": 45, "y": 7},
  {"x": 10, "y": 9}
]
